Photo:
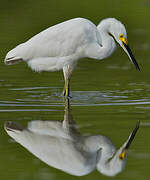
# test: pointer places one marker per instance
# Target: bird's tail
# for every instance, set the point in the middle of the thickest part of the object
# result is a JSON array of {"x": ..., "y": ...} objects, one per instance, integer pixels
[
  {"x": 12, "y": 60},
  {"x": 14, "y": 56},
  {"x": 12, "y": 126},
  {"x": 14, "y": 130}
]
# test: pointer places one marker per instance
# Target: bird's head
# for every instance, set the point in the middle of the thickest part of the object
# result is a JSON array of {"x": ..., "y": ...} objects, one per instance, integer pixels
[
  {"x": 115, "y": 164},
  {"x": 118, "y": 32}
]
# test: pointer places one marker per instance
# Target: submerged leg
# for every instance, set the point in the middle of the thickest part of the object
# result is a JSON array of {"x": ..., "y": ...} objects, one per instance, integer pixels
[
  {"x": 67, "y": 76},
  {"x": 66, "y": 88}
]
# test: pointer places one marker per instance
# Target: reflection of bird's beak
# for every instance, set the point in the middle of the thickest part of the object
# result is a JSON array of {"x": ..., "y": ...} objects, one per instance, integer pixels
[
  {"x": 129, "y": 53},
  {"x": 128, "y": 142},
  {"x": 132, "y": 135}
]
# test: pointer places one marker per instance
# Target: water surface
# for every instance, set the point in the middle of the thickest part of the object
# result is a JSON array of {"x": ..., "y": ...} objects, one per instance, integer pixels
[{"x": 108, "y": 97}]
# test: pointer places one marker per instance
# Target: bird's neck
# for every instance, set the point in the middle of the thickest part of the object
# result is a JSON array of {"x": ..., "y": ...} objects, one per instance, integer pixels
[
  {"x": 108, "y": 43},
  {"x": 101, "y": 145},
  {"x": 104, "y": 164},
  {"x": 104, "y": 149}
]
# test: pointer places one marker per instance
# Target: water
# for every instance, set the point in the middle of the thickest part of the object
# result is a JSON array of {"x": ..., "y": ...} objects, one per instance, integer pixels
[{"x": 108, "y": 97}]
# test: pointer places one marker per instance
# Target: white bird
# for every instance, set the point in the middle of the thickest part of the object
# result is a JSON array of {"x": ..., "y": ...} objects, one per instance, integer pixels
[
  {"x": 60, "y": 145},
  {"x": 59, "y": 47}
]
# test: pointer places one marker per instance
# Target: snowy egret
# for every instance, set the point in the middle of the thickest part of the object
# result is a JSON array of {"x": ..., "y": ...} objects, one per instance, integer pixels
[
  {"x": 60, "y": 145},
  {"x": 59, "y": 47}
]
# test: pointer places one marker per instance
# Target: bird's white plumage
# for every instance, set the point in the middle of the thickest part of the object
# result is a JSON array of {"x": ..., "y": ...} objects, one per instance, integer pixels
[
  {"x": 60, "y": 145},
  {"x": 51, "y": 143},
  {"x": 58, "y": 45},
  {"x": 65, "y": 43},
  {"x": 61, "y": 46}
]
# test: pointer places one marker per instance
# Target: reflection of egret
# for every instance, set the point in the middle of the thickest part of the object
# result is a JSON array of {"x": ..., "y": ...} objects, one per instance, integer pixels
[
  {"x": 60, "y": 145},
  {"x": 60, "y": 46}
]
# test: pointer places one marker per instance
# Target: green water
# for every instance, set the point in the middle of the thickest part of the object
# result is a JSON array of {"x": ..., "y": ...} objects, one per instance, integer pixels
[{"x": 108, "y": 97}]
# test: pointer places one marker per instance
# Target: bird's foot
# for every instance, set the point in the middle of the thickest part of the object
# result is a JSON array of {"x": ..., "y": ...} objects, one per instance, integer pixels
[{"x": 65, "y": 94}]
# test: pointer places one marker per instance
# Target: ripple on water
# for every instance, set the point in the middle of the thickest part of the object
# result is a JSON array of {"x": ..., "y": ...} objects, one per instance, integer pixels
[{"x": 51, "y": 96}]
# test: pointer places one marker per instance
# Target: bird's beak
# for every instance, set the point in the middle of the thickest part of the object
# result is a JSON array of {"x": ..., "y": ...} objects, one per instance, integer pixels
[
  {"x": 129, "y": 52},
  {"x": 127, "y": 144}
]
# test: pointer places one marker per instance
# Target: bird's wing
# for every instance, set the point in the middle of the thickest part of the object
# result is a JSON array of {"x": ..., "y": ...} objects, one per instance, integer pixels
[
  {"x": 64, "y": 39},
  {"x": 57, "y": 152},
  {"x": 51, "y": 128}
]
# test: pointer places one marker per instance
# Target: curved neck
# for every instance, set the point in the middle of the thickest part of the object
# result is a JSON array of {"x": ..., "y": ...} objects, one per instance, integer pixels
[
  {"x": 105, "y": 150},
  {"x": 105, "y": 44},
  {"x": 102, "y": 145},
  {"x": 108, "y": 43}
]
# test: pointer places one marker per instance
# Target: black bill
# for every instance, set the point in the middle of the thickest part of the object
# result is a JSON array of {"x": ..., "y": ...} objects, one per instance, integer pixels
[
  {"x": 129, "y": 52},
  {"x": 132, "y": 135}
]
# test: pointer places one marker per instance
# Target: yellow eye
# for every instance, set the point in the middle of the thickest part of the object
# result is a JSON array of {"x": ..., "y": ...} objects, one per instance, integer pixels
[
  {"x": 123, "y": 39},
  {"x": 122, "y": 155},
  {"x": 121, "y": 36}
]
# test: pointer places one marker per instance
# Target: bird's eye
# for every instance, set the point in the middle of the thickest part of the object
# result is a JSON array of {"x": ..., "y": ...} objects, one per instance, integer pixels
[
  {"x": 122, "y": 155},
  {"x": 121, "y": 36}
]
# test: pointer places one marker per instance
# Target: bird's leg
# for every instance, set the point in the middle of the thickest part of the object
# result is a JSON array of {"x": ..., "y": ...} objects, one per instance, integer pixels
[
  {"x": 67, "y": 76},
  {"x": 66, "y": 88},
  {"x": 64, "y": 91}
]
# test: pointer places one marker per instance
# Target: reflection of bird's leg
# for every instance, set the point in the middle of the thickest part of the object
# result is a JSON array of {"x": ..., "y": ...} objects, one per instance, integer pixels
[
  {"x": 67, "y": 76},
  {"x": 67, "y": 105},
  {"x": 68, "y": 122},
  {"x": 67, "y": 116}
]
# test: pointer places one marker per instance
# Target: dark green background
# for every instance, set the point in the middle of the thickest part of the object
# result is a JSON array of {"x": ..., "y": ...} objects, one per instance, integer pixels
[{"x": 108, "y": 97}]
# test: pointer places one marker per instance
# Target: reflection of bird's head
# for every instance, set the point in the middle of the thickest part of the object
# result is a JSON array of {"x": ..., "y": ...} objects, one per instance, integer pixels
[
  {"x": 115, "y": 164},
  {"x": 112, "y": 165},
  {"x": 111, "y": 162}
]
